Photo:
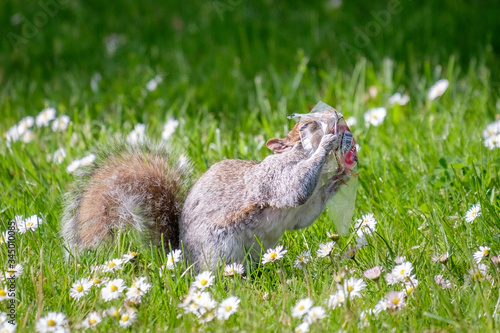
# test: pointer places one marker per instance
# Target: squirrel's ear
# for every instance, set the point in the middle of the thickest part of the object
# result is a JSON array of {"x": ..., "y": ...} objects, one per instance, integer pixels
[{"x": 279, "y": 146}]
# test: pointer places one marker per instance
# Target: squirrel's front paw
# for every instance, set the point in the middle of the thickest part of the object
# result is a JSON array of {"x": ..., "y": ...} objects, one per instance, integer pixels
[{"x": 329, "y": 142}]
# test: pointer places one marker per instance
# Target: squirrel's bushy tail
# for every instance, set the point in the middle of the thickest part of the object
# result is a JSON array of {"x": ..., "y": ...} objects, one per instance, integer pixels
[{"x": 140, "y": 185}]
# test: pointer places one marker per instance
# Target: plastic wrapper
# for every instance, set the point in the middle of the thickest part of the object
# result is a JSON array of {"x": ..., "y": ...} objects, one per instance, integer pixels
[{"x": 340, "y": 207}]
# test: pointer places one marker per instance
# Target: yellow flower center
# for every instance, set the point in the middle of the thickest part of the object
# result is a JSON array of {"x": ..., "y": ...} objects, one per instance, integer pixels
[
  {"x": 350, "y": 288},
  {"x": 301, "y": 307},
  {"x": 113, "y": 288},
  {"x": 172, "y": 260},
  {"x": 133, "y": 254},
  {"x": 29, "y": 224},
  {"x": 409, "y": 290},
  {"x": 395, "y": 301},
  {"x": 2, "y": 292},
  {"x": 486, "y": 252},
  {"x": 125, "y": 317},
  {"x": 115, "y": 313},
  {"x": 228, "y": 308},
  {"x": 230, "y": 271},
  {"x": 473, "y": 213},
  {"x": 273, "y": 255},
  {"x": 51, "y": 323},
  {"x": 402, "y": 271},
  {"x": 79, "y": 288},
  {"x": 111, "y": 265},
  {"x": 92, "y": 321},
  {"x": 96, "y": 280},
  {"x": 351, "y": 252},
  {"x": 203, "y": 282},
  {"x": 301, "y": 258}
]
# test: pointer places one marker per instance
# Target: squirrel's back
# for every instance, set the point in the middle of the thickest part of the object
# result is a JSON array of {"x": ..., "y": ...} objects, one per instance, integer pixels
[{"x": 141, "y": 185}]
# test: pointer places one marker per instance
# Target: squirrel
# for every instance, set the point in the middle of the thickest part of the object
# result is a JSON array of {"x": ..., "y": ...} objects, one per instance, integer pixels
[{"x": 232, "y": 207}]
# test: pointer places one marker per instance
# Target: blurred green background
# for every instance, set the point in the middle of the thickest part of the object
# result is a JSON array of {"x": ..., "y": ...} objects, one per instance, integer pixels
[{"x": 219, "y": 47}]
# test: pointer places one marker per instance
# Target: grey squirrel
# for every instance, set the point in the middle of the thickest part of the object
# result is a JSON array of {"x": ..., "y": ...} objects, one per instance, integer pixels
[{"x": 233, "y": 204}]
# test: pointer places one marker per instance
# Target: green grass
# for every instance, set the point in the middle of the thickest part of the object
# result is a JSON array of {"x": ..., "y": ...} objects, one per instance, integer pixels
[{"x": 231, "y": 80}]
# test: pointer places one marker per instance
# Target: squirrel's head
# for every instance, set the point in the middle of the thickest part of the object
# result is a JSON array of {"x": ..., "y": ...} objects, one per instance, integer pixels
[{"x": 300, "y": 130}]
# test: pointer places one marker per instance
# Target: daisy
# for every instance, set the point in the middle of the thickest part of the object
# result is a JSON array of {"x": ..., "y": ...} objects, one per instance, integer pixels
[
  {"x": 492, "y": 142},
  {"x": 479, "y": 272},
  {"x": 112, "y": 312},
  {"x": 234, "y": 269},
  {"x": 80, "y": 288},
  {"x": 353, "y": 286},
  {"x": 339, "y": 276},
  {"x": 169, "y": 128},
  {"x": 73, "y": 166},
  {"x": 25, "y": 124},
  {"x": 206, "y": 317},
  {"x": 391, "y": 279},
  {"x": 45, "y": 116},
  {"x": 113, "y": 265},
  {"x": 30, "y": 223},
  {"x": 375, "y": 116},
  {"x": 403, "y": 271},
  {"x": 59, "y": 156},
  {"x": 380, "y": 306},
  {"x": 495, "y": 260},
  {"x": 7, "y": 327},
  {"x": 204, "y": 280},
  {"x": 351, "y": 121},
  {"x": 14, "y": 272},
  {"x": 302, "y": 328},
  {"x": 52, "y": 322},
  {"x": 302, "y": 307},
  {"x": 373, "y": 273},
  {"x": 27, "y": 136},
  {"x": 438, "y": 89},
  {"x": 227, "y": 307},
  {"x": 60, "y": 124},
  {"x": 473, "y": 213},
  {"x": 273, "y": 255},
  {"x": 302, "y": 259},
  {"x": 361, "y": 241},
  {"x": 4, "y": 294},
  {"x": 128, "y": 318},
  {"x": 399, "y": 260},
  {"x": 138, "y": 288},
  {"x": 366, "y": 225},
  {"x": 137, "y": 135},
  {"x": 129, "y": 256},
  {"x": 397, "y": 98},
  {"x": 315, "y": 313},
  {"x": 492, "y": 129},
  {"x": 4, "y": 236},
  {"x": 350, "y": 253},
  {"x": 395, "y": 300},
  {"x": 336, "y": 299},
  {"x": 92, "y": 320},
  {"x": 325, "y": 249},
  {"x": 484, "y": 251},
  {"x": 442, "y": 282},
  {"x": 87, "y": 160},
  {"x": 442, "y": 258},
  {"x": 113, "y": 290},
  {"x": 173, "y": 258},
  {"x": 12, "y": 135}
]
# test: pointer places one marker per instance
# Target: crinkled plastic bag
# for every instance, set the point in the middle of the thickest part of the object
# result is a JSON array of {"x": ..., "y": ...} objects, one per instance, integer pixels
[{"x": 330, "y": 121}]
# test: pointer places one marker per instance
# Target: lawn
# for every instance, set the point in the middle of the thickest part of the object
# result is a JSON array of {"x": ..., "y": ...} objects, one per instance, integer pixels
[{"x": 230, "y": 72}]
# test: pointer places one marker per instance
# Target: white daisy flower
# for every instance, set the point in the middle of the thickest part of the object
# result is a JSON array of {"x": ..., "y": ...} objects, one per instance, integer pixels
[
  {"x": 442, "y": 258},
  {"x": 351, "y": 121},
  {"x": 380, "y": 306},
  {"x": 98, "y": 282},
  {"x": 273, "y": 255},
  {"x": 113, "y": 265},
  {"x": 336, "y": 299},
  {"x": 325, "y": 249},
  {"x": 373, "y": 273},
  {"x": 52, "y": 322},
  {"x": 395, "y": 300},
  {"x": 442, "y": 282},
  {"x": 15, "y": 272},
  {"x": 375, "y": 116},
  {"x": 111, "y": 312},
  {"x": 492, "y": 142},
  {"x": 399, "y": 259},
  {"x": 227, "y": 307},
  {"x": 27, "y": 136},
  {"x": 473, "y": 213},
  {"x": 169, "y": 128},
  {"x": 361, "y": 241},
  {"x": 61, "y": 123},
  {"x": 339, "y": 275},
  {"x": 492, "y": 129},
  {"x": 45, "y": 116},
  {"x": 6, "y": 327},
  {"x": 92, "y": 320},
  {"x": 129, "y": 256},
  {"x": 353, "y": 286},
  {"x": 302, "y": 259},
  {"x": 173, "y": 258},
  {"x": 80, "y": 288},
  {"x": 4, "y": 294},
  {"x": 203, "y": 280},
  {"x": 391, "y": 279},
  {"x": 350, "y": 253},
  {"x": 25, "y": 124},
  {"x": 484, "y": 251},
  {"x": 30, "y": 223},
  {"x": 302, "y": 328},
  {"x": 137, "y": 135},
  {"x": 87, "y": 160},
  {"x": 480, "y": 272},
  {"x": 4, "y": 237},
  {"x": 59, "y": 155},
  {"x": 128, "y": 318},
  {"x": 234, "y": 269},
  {"x": 302, "y": 307},
  {"x": 12, "y": 135},
  {"x": 438, "y": 89},
  {"x": 138, "y": 289},
  {"x": 403, "y": 271},
  {"x": 113, "y": 289},
  {"x": 366, "y": 225},
  {"x": 73, "y": 166},
  {"x": 397, "y": 98},
  {"x": 315, "y": 313}
]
